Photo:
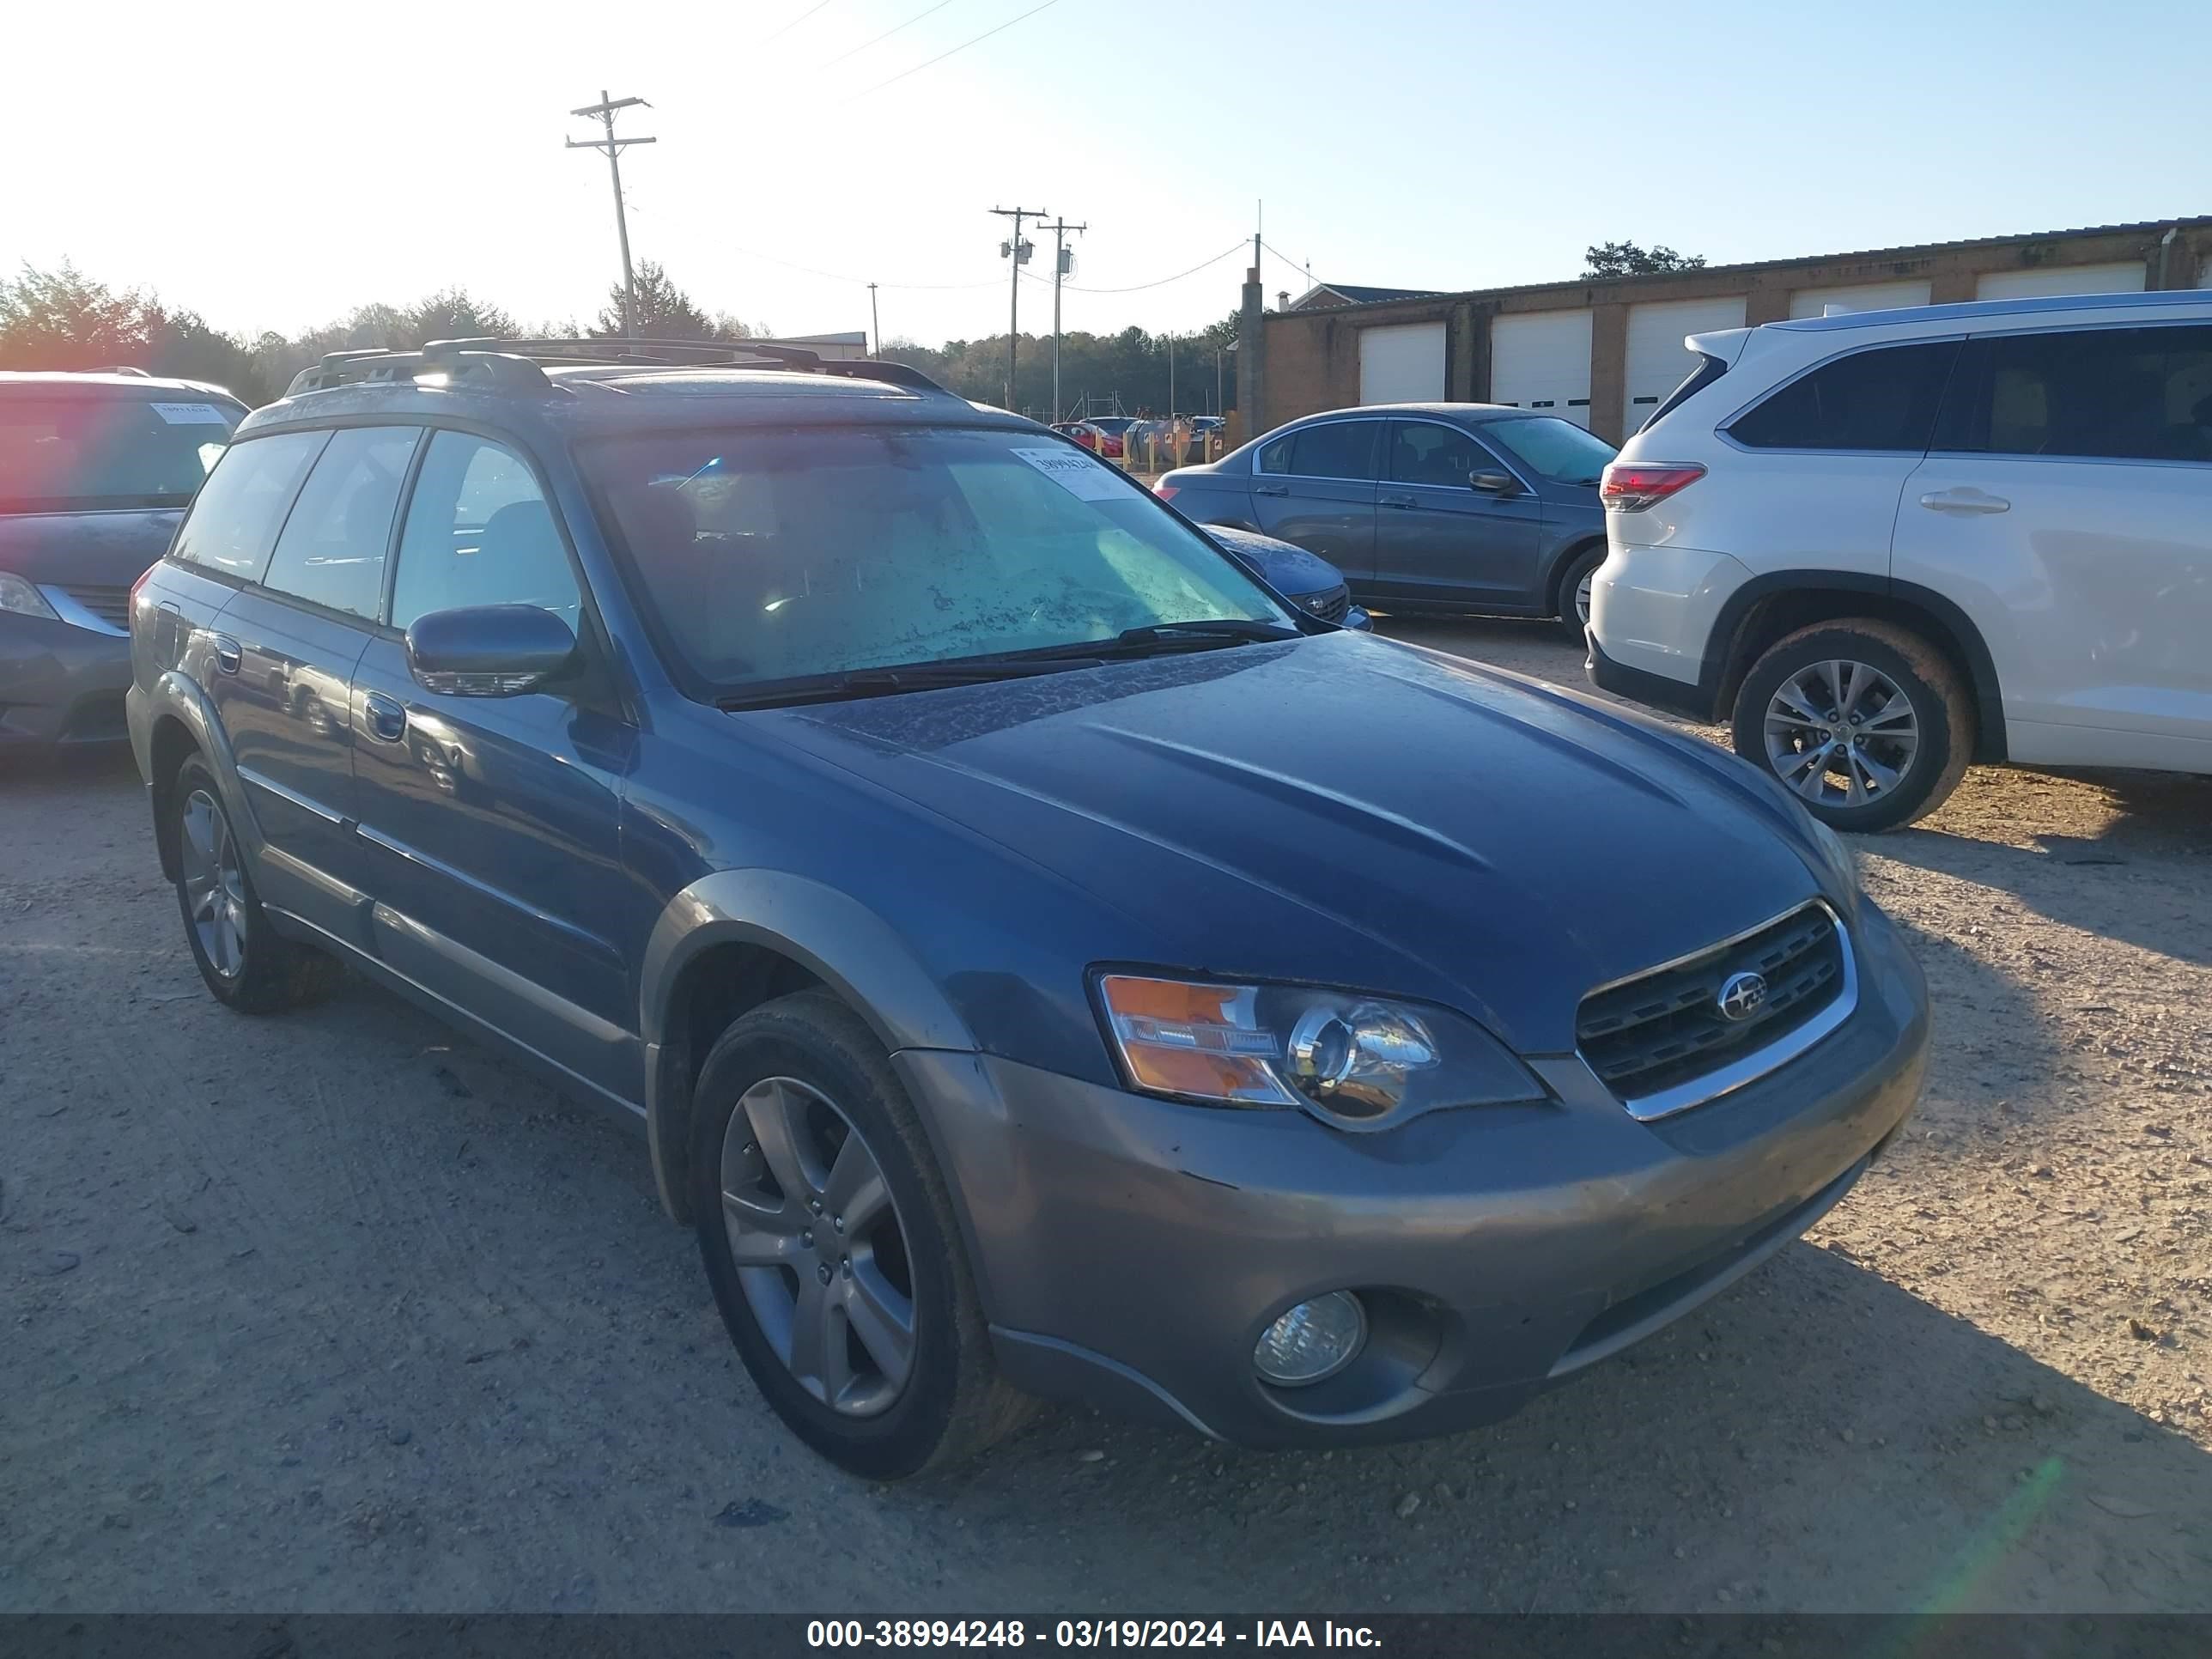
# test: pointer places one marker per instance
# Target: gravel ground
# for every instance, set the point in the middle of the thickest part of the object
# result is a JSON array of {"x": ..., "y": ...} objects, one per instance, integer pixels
[{"x": 337, "y": 1311}]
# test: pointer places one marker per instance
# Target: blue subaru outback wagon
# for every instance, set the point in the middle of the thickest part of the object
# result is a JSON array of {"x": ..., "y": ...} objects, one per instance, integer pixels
[{"x": 1043, "y": 961}]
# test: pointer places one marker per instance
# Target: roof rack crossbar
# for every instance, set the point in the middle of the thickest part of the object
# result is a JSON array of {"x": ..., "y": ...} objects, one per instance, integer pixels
[{"x": 456, "y": 359}]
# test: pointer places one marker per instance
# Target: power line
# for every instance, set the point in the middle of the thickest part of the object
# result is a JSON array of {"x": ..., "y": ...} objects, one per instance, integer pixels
[
  {"x": 796, "y": 20},
  {"x": 956, "y": 51},
  {"x": 886, "y": 35},
  {"x": 1138, "y": 288}
]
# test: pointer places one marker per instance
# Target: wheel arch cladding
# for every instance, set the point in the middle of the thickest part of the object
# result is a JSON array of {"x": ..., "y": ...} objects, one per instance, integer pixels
[
  {"x": 174, "y": 743},
  {"x": 1769, "y": 607},
  {"x": 740, "y": 938}
]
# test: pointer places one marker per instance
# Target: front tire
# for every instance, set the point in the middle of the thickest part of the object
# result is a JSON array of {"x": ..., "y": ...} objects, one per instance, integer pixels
[
  {"x": 244, "y": 961},
  {"x": 1867, "y": 723},
  {"x": 829, "y": 1239}
]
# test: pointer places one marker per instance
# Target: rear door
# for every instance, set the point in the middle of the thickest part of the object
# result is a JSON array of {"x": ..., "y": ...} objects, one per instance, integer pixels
[
  {"x": 1437, "y": 538},
  {"x": 1313, "y": 486},
  {"x": 2067, "y": 507},
  {"x": 285, "y": 648},
  {"x": 490, "y": 824}
]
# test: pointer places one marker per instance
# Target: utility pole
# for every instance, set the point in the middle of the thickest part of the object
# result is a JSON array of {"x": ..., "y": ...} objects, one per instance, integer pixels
[
  {"x": 1017, "y": 252},
  {"x": 1062, "y": 255},
  {"x": 875, "y": 325},
  {"x": 611, "y": 148},
  {"x": 1171, "y": 406}
]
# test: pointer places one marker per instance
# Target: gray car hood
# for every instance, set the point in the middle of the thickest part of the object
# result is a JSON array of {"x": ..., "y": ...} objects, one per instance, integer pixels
[{"x": 1350, "y": 811}]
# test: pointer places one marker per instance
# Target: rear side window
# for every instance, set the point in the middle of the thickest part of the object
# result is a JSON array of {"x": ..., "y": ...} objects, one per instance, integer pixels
[
  {"x": 332, "y": 550},
  {"x": 479, "y": 532},
  {"x": 1335, "y": 449},
  {"x": 1885, "y": 398},
  {"x": 2108, "y": 393},
  {"x": 235, "y": 518}
]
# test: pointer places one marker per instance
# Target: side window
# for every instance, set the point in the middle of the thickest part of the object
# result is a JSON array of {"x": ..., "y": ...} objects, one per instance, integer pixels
[
  {"x": 1275, "y": 454},
  {"x": 1881, "y": 398},
  {"x": 2107, "y": 393},
  {"x": 235, "y": 517},
  {"x": 479, "y": 532},
  {"x": 331, "y": 552},
  {"x": 1335, "y": 449},
  {"x": 1422, "y": 453}
]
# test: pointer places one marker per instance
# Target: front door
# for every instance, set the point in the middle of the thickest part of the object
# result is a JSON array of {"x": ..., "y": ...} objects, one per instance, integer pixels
[
  {"x": 491, "y": 825},
  {"x": 2067, "y": 507},
  {"x": 1313, "y": 486},
  {"x": 1440, "y": 540}
]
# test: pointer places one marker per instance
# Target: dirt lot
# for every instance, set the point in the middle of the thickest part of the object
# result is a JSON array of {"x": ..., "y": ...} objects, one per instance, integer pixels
[{"x": 336, "y": 1312}]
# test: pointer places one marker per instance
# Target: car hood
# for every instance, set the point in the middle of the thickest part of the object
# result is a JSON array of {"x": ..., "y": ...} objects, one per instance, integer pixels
[
  {"x": 102, "y": 549},
  {"x": 1349, "y": 811},
  {"x": 1287, "y": 568}
]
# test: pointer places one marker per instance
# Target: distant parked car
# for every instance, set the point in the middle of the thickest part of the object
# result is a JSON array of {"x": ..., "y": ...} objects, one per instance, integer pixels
[
  {"x": 1454, "y": 508},
  {"x": 1086, "y": 434},
  {"x": 1311, "y": 583},
  {"x": 1113, "y": 432},
  {"x": 1884, "y": 544},
  {"x": 95, "y": 472}
]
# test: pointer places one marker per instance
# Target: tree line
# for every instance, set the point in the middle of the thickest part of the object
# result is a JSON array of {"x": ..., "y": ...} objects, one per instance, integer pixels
[{"x": 63, "y": 319}]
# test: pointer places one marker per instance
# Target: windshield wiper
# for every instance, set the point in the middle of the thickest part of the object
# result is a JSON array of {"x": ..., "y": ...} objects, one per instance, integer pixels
[
  {"x": 1203, "y": 636},
  {"x": 890, "y": 682}
]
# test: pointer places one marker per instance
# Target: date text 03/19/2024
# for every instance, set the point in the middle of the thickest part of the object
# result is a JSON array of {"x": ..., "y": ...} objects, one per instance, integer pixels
[{"x": 827, "y": 1633}]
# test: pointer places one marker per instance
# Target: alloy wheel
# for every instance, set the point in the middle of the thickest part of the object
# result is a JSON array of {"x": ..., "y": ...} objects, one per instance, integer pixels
[
  {"x": 1841, "y": 734},
  {"x": 820, "y": 1251},
  {"x": 215, "y": 884},
  {"x": 1582, "y": 596}
]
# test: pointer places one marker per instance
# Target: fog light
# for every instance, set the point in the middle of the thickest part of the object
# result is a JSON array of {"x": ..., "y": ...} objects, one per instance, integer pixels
[{"x": 1315, "y": 1340}]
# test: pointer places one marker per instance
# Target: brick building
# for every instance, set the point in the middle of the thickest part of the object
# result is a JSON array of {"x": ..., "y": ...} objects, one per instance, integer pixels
[{"x": 1604, "y": 352}]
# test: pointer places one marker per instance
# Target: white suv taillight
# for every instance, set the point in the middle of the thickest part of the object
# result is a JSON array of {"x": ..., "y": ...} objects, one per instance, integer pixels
[{"x": 1631, "y": 486}]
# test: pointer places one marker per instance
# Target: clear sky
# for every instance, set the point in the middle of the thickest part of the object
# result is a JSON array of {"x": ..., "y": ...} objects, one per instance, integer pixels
[{"x": 274, "y": 164}]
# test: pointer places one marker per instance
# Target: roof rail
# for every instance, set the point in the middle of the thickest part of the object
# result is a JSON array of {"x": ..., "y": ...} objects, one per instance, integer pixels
[
  {"x": 706, "y": 354},
  {"x": 124, "y": 368},
  {"x": 456, "y": 359}
]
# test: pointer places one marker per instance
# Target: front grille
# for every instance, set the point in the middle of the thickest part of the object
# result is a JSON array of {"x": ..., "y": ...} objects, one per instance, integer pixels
[
  {"x": 1331, "y": 607},
  {"x": 1660, "y": 1030},
  {"x": 110, "y": 604}
]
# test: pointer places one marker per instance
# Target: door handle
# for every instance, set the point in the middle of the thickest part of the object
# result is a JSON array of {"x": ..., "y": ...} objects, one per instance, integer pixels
[
  {"x": 1965, "y": 500},
  {"x": 388, "y": 719},
  {"x": 1394, "y": 500},
  {"x": 1271, "y": 489},
  {"x": 226, "y": 657}
]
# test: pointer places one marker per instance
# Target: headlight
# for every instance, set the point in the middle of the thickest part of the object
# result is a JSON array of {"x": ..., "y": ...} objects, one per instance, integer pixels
[
  {"x": 1356, "y": 1061},
  {"x": 19, "y": 596}
]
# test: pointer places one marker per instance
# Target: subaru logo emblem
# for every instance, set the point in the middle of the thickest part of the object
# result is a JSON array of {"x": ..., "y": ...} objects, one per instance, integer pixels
[{"x": 1741, "y": 995}]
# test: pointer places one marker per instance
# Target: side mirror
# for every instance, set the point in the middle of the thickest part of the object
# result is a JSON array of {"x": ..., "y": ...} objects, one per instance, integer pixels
[
  {"x": 1492, "y": 483},
  {"x": 489, "y": 650}
]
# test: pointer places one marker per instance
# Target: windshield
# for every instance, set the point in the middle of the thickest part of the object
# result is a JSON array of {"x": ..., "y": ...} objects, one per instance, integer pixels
[
  {"x": 774, "y": 555},
  {"x": 63, "y": 452},
  {"x": 1559, "y": 450}
]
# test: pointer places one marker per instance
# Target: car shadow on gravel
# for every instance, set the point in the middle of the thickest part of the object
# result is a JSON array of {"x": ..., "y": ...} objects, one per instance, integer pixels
[
  {"x": 2144, "y": 877},
  {"x": 1819, "y": 1439}
]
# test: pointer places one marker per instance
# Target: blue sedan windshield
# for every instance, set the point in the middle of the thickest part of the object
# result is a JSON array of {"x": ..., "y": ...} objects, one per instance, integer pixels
[{"x": 769, "y": 556}]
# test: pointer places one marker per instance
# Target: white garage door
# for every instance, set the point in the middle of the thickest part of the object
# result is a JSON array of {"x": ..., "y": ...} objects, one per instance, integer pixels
[
  {"x": 1402, "y": 365},
  {"x": 1542, "y": 360},
  {"x": 1867, "y": 296},
  {"x": 2062, "y": 279},
  {"x": 1658, "y": 361}
]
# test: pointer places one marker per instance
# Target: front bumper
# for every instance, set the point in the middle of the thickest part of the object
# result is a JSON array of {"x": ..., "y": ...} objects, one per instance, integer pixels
[
  {"x": 1131, "y": 1250},
  {"x": 60, "y": 684}
]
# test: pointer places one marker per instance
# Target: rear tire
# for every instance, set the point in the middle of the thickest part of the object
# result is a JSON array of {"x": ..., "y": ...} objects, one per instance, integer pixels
[
  {"x": 1573, "y": 607},
  {"x": 249, "y": 966},
  {"x": 1867, "y": 723},
  {"x": 794, "y": 1083}
]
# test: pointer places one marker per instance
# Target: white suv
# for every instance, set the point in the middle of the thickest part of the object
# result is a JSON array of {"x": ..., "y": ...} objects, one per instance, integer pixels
[{"x": 1887, "y": 543}]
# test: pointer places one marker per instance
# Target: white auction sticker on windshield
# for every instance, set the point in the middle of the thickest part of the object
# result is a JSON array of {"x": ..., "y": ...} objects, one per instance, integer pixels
[
  {"x": 1076, "y": 472},
  {"x": 190, "y": 414}
]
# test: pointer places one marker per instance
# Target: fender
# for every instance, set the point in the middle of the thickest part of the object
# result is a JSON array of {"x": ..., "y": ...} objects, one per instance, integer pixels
[
  {"x": 176, "y": 696},
  {"x": 1719, "y": 665},
  {"x": 828, "y": 932},
  {"x": 1547, "y": 577}
]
